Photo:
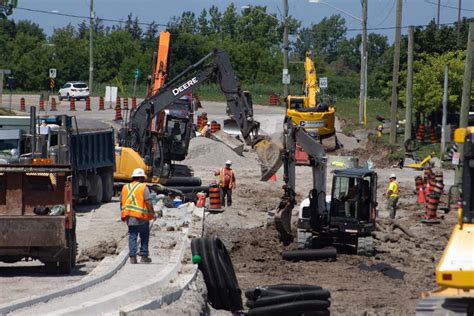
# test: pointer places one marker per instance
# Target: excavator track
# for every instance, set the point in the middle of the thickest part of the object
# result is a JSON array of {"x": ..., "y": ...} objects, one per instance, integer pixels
[{"x": 365, "y": 246}]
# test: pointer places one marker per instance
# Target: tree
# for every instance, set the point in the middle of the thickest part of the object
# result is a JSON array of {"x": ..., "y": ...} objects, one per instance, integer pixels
[
  {"x": 428, "y": 80},
  {"x": 133, "y": 27},
  {"x": 323, "y": 38}
]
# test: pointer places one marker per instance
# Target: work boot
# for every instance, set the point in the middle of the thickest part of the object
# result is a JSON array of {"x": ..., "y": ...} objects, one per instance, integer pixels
[
  {"x": 145, "y": 259},
  {"x": 133, "y": 260}
]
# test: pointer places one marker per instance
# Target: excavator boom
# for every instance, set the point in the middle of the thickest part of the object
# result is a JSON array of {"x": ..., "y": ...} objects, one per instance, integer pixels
[
  {"x": 311, "y": 83},
  {"x": 217, "y": 63}
]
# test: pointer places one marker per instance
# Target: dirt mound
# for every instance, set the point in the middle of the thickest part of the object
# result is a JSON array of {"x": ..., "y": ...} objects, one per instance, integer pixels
[
  {"x": 381, "y": 155},
  {"x": 98, "y": 251},
  {"x": 205, "y": 152}
]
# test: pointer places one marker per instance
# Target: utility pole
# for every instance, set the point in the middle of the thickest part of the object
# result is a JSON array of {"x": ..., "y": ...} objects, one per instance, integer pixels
[
  {"x": 363, "y": 64},
  {"x": 91, "y": 47},
  {"x": 466, "y": 95},
  {"x": 444, "y": 121},
  {"x": 285, "y": 77},
  {"x": 409, "y": 107},
  {"x": 439, "y": 13},
  {"x": 396, "y": 66},
  {"x": 459, "y": 16}
]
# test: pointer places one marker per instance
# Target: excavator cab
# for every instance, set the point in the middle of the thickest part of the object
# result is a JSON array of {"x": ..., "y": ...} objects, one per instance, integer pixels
[
  {"x": 353, "y": 201},
  {"x": 349, "y": 215}
]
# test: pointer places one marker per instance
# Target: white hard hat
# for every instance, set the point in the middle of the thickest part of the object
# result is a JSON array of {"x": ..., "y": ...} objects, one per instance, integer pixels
[
  {"x": 138, "y": 172},
  {"x": 393, "y": 175},
  {"x": 228, "y": 162}
]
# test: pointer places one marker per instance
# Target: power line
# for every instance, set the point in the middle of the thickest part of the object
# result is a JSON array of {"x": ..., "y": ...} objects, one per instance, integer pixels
[
  {"x": 448, "y": 6},
  {"x": 385, "y": 18},
  {"x": 84, "y": 17},
  {"x": 394, "y": 27}
]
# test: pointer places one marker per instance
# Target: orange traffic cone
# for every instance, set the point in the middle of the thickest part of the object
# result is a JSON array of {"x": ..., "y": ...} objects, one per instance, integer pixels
[
  {"x": 421, "y": 196},
  {"x": 273, "y": 178}
]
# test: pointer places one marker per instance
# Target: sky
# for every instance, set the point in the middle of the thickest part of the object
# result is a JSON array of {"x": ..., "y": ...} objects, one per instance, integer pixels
[{"x": 381, "y": 13}]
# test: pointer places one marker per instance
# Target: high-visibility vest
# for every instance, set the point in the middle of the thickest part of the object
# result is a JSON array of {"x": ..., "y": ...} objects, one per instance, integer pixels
[
  {"x": 393, "y": 186},
  {"x": 222, "y": 177},
  {"x": 133, "y": 201}
]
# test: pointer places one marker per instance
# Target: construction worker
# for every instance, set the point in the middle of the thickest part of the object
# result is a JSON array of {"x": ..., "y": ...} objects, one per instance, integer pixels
[
  {"x": 137, "y": 210},
  {"x": 392, "y": 196},
  {"x": 206, "y": 130},
  {"x": 226, "y": 182}
]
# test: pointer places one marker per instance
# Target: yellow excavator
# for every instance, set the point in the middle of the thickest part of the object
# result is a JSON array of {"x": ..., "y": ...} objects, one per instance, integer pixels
[
  {"x": 455, "y": 270},
  {"x": 313, "y": 111}
]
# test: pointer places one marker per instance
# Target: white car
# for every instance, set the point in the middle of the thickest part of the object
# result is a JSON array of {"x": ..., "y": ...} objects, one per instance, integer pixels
[{"x": 74, "y": 89}]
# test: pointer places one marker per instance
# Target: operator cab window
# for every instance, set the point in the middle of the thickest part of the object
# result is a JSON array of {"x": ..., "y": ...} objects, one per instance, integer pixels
[{"x": 352, "y": 198}]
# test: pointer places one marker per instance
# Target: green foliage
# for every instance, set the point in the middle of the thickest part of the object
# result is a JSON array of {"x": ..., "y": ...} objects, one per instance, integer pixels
[
  {"x": 252, "y": 37},
  {"x": 428, "y": 81}
]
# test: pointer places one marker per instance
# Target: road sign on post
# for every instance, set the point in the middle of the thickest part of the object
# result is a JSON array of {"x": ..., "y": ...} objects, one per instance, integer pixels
[
  {"x": 323, "y": 82},
  {"x": 52, "y": 83},
  {"x": 52, "y": 73}
]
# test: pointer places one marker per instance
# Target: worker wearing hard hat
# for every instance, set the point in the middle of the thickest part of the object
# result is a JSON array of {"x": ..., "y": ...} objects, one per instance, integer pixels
[
  {"x": 392, "y": 196},
  {"x": 137, "y": 210},
  {"x": 226, "y": 182}
]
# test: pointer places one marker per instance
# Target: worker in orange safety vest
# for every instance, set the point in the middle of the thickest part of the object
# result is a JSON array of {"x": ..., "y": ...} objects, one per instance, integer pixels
[
  {"x": 137, "y": 211},
  {"x": 226, "y": 182}
]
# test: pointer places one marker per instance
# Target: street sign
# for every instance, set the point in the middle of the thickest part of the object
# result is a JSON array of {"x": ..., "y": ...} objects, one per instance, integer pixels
[
  {"x": 136, "y": 73},
  {"x": 323, "y": 82},
  {"x": 52, "y": 73},
  {"x": 52, "y": 84},
  {"x": 5, "y": 71}
]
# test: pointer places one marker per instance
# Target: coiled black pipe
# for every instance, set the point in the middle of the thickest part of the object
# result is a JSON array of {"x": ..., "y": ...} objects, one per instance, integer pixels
[
  {"x": 290, "y": 297},
  {"x": 219, "y": 275}
]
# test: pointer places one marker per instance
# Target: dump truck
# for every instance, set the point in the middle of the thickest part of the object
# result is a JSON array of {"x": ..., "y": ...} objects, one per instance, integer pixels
[
  {"x": 89, "y": 149},
  {"x": 37, "y": 219}
]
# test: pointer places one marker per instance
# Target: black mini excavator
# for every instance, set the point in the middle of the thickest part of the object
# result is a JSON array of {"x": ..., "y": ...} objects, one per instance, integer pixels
[{"x": 347, "y": 219}]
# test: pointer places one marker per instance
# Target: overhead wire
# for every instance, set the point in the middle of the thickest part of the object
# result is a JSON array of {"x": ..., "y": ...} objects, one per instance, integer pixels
[
  {"x": 84, "y": 17},
  {"x": 388, "y": 14},
  {"x": 449, "y": 6}
]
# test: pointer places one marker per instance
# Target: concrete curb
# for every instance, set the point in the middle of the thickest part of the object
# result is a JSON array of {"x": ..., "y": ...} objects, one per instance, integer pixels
[
  {"x": 117, "y": 263},
  {"x": 133, "y": 294}
]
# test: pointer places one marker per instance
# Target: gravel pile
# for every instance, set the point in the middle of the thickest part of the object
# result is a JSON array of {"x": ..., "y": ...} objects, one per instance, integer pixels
[{"x": 205, "y": 152}]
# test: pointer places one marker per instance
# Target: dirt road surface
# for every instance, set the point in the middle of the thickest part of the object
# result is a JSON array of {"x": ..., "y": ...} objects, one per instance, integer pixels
[{"x": 388, "y": 283}]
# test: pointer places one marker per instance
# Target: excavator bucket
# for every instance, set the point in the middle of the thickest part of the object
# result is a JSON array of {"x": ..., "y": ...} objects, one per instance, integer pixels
[
  {"x": 231, "y": 127},
  {"x": 270, "y": 156},
  {"x": 283, "y": 220}
]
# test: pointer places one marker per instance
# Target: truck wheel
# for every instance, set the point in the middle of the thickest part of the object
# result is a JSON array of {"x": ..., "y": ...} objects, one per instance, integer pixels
[
  {"x": 107, "y": 186},
  {"x": 96, "y": 183},
  {"x": 66, "y": 266}
]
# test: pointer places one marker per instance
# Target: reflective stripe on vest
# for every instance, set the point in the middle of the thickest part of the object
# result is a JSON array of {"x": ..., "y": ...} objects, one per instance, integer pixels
[{"x": 133, "y": 201}]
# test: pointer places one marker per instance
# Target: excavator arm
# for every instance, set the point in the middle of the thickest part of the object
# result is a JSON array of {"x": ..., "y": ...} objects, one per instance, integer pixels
[
  {"x": 217, "y": 63},
  {"x": 293, "y": 135}
]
